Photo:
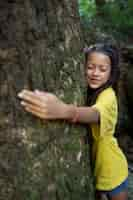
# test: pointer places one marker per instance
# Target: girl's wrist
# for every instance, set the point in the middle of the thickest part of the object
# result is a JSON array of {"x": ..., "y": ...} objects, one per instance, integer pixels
[{"x": 71, "y": 113}]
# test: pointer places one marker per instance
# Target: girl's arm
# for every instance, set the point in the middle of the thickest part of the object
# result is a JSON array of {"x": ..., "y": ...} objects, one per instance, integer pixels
[
  {"x": 82, "y": 114},
  {"x": 47, "y": 106}
]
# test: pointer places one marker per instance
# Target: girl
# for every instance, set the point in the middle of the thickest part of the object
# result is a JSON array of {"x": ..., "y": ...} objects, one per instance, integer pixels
[{"x": 101, "y": 113}]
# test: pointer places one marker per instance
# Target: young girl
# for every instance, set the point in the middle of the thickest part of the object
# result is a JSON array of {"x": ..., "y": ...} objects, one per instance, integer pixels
[{"x": 101, "y": 113}]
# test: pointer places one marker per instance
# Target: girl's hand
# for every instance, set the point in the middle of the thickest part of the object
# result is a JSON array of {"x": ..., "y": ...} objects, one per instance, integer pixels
[{"x": 43, "y": 104}]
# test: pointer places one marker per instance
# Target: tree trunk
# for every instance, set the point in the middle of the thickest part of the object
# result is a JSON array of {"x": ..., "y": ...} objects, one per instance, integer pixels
[{"x": 40, "y": 47}]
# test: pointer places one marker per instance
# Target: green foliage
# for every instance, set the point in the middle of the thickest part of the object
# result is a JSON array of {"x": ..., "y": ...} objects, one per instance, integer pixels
[
  {"x": 87, "y": 9},
  {"x": 116, "y": 17}
]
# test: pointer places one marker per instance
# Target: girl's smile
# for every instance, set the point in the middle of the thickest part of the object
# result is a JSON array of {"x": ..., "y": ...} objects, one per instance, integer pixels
[{"x": 98, "y": 69}]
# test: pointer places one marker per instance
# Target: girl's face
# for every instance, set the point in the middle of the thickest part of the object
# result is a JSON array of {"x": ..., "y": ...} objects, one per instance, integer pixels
[{"x": 98, "y": 69}]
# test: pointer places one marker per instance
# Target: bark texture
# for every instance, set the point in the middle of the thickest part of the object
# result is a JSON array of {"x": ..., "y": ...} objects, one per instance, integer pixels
[{"x": 40, "y": 47}]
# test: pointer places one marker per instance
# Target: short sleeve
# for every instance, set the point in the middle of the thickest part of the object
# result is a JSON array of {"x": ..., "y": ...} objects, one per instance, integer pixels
[{"x": 106, "y": 104}]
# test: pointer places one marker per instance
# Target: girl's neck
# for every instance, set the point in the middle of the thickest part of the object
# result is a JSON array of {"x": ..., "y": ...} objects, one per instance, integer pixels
[{"x": 93, "y": 93}]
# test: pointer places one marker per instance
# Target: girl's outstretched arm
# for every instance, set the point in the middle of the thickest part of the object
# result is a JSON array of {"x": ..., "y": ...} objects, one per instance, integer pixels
[{"x": 47, "y": 106}]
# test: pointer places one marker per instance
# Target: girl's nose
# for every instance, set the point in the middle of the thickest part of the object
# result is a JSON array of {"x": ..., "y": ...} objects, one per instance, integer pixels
[{"x": 96, "y": 71}]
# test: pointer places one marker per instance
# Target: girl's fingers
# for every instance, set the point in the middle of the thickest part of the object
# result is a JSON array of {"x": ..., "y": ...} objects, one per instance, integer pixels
[
  {"x": 40, "y": 104},
  {"x": 40, "y": 92},
  {"x": 36, "y": 113},
  {"x": 31, "y": 97},
  {"x": 38, "y": 109},
  {"x": 28, "y": 96},
  {"x": 46, "y": 95}
]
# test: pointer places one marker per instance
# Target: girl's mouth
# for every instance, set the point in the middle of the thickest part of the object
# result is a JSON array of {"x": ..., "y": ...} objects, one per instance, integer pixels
[{"x": 94, "y": 80}]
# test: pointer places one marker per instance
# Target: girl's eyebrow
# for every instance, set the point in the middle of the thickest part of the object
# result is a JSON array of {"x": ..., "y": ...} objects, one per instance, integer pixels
[
  {"x": 103, "y": 66},
  {"x": 100, "y": 65}
]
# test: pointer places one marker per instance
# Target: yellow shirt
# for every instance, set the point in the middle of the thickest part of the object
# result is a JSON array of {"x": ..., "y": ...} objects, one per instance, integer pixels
[{"x": 110, "y": 163}]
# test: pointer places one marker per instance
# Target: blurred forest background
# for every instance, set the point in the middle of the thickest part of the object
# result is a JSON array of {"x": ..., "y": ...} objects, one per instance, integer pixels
[
  {"x": 41, "y": 46},
  {"x": 112, "y": 21}
]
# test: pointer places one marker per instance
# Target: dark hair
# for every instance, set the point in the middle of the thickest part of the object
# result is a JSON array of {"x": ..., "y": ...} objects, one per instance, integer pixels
[
  {"x": 92, "y": 94},
  {"x": 113, "y": 54}
]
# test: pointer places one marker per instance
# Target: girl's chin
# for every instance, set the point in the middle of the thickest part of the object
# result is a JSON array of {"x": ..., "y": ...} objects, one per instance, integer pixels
[{"x": 94, "y": 86}]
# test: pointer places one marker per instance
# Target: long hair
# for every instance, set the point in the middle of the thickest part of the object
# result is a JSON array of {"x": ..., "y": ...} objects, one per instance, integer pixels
[{"x": 92, "y": 94}]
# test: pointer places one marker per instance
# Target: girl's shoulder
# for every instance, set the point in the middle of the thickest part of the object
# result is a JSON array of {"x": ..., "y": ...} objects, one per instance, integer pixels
[{"x": 107, "y": 94}]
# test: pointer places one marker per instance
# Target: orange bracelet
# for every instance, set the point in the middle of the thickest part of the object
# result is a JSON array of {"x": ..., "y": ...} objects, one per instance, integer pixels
[{"x": 75, "y": 117}]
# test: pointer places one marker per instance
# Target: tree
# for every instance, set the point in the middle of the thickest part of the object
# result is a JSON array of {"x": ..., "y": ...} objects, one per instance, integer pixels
[{"x": 40, "y": 47}]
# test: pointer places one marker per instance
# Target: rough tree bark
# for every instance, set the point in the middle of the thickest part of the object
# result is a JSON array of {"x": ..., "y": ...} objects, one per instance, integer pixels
[{"x": 40, "y": 47}]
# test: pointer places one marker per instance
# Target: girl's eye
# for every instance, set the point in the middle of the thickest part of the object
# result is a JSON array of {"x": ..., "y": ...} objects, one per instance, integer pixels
[
  {"x": 103, "y": 68},
  {"x": 90, "y": 66}
]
